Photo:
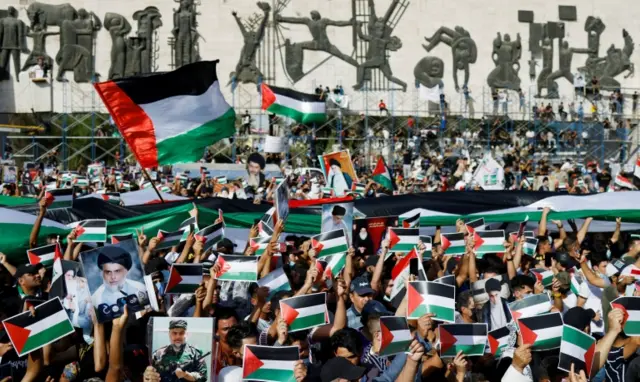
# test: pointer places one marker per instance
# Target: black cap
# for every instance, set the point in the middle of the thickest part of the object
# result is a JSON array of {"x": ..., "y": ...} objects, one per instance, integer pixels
[
  {"x": 340, "y": 367},
  {"x": 578, "y": 317},
  {"x": 178, "y": 324},
  {"x": 374, "y": 306},
  {"x": 114, "y": 254},
  {"x": 155, "y": 265},
  {"x": 338, "y": 211},
  {"x": 27, "y": 269},
  {"x": 361, "y": 286},
  {"x": 226, "y": 244},
  {"x": 334, "y": 162},
  {"x": 371, "y": 261},
  {"x": 492, "y": 285},
  {"x": 257, "y": 158},
  {"x": 565, "y": 260}
]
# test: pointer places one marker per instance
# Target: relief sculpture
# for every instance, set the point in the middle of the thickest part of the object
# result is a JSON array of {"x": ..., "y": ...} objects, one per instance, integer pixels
[
  {"x": 246, "y": 69},
  {"x": 13, "y": 39},
  {"x": 76, "y": 54},
  {"x": 506, "y": 56},
  {"x": 185, "y": 34},
  {"x": 463, "y": 48}
]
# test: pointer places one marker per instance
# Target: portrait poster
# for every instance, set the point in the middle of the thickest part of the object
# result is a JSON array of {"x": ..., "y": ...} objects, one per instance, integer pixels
[
  {"x": 282, "y": 203},
  {"x": 9, "y": 174},
  {"x": 339, "y": 171},
  {"x": 115, "y": 278},
  {"x": 72, "y": 287},
  {"x": 338, "y": 216},
  {"x": 368, "y": 233},
  {"x": 182, "y": 345}
]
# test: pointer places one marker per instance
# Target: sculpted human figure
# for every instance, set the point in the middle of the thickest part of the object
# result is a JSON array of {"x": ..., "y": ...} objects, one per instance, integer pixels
[
  {"x": 149, "y": 19},
  {"x": 118, "y": 28},
  {"x": 564, "y": 70},
  {"x": 429, "y": 71},
  {"x": 13, "y": 33},
  {"x": 76, "y": 38},
  {"x": 246, "y": 69},
  {"x": 463, "y": 49},
  {"x": 38, "y": 34},
  {"x": 547, "y": 64},
  {"x": 185, "y": 34},
  {"x": 506, "y": 56}
]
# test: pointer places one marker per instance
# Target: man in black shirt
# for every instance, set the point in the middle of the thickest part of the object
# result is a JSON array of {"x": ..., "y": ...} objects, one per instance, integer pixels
[
  {"x": 509, "y": 178},
  {"x": 604, "y": 178}
]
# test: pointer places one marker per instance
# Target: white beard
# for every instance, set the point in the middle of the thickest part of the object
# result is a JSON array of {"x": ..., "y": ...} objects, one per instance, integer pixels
[{"x": 363, "y": 236}]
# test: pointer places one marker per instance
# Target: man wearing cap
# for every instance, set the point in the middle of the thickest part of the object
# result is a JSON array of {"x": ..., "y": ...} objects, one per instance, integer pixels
[
  {"x": 179, "y": 360},
  {"x": 255, "y": 165},
  {"x": 115, "y": 264},
  {"x": 370, "y": 319},
  {"x": 336, "y": 220},
  {"x": 361, "y": 293}
]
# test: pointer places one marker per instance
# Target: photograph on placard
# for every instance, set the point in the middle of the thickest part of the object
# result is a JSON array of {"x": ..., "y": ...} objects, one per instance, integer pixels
[
  {"x": 368, "y": 233},
  {"x": 338, "y": 216},
  {"x": 339, "y": 172}
]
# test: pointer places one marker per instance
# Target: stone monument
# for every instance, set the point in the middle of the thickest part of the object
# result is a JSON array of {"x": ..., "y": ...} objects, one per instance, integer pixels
[
  {"x": 506, "y": 56},
  {"x": 246, "y": 70},
  {"x": 76, "y": 54},
  {"x": 149, "y": 20},
  {"x": 185, "y": 34},
  {"x": 463, "y": 48},
  {"x": 13, "y": 42}
]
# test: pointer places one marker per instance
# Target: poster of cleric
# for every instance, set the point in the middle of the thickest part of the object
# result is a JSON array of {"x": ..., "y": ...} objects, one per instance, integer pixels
[{"x": 115, "y": 278}]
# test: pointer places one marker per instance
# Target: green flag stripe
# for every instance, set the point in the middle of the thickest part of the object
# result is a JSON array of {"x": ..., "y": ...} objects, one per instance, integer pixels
[
  {"x": 420, "y": 311},
  {"x": 396, "y": 347},
  {"x": 491, "y": 248},
  {"x": 51, "y": 333},
  {"x": 307, "y": 322},
  {"x": 272, "y": 375},
  {"x": 548, "y": 344},
  {"x": 577, "y": 338},
  {"x": 632, "y": 328},
  {"x": 295, "y": 114},
  {"x": 94, "y": 237},
  {"x": 233, "y": 276},
  {"x": 456, "y": 249},
  {"x": 333, "y": 250},
  {"x": 403, "y": 247},
  {"x": 466, "y": 349},
  {"x": 442, "y": 313}
]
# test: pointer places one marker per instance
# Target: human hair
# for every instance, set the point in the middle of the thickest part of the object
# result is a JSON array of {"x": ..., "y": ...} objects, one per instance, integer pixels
[
  {"x": 597, "y": 257},
  {"x": 347, "y": 338},
  {"x": 463, "y": 299},
  {"x": 224, "y": 313},
  {"x": 521, "y": 281},
  {"x": 240, "y": 332}
]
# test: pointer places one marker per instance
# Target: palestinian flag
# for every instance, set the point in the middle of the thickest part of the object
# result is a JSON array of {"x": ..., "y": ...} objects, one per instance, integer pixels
[
  {"x": 636, "y": 170},
  {"x": 58, "y": 284},
  {"x": 264, "y": 229},
  {"x": 330, "y": 243},
  {"x": 301, "y": 107},
  {"x": 529, "y": 246},
  {"x": 115, "y": 239},
  {"x": 331, "y": 266},
  {"x": 259, "y": 245},
  {"x": 428, "y": 247},
  {"x": 530, "y": 306},
  {"x": 382, "y": 175},
  {"x": 20, "y": 225},
  {"x": 184, "y": 278},
  {"x": 269, "y": 363},
  {"x": 576, "y": 285},
  {"x": 28, "y": 333},
  {"x": 526, "y": 234},
  {"x": 403, "y": 240},
  {"x": 475, "y": 225},
  {"x": 544, "y": 332},
  {"x": 169, "y": 239},
  {"x": 238, "y": 268},
  {"x": 431, "y": 297},
  {"x": 358, "y": 188},
  {"x": 45, "y": 255},
  {"x": 81, "y": 182},
  {"x": 91, "y": 231},
  {"x": 276, "y": 281},
  {"x": 623, "y": 182},
  {"x": 170, "y": 117},
  {"x": 411, "y": 221},
  {"x": 182, "y": 177},
  {"x": 59, "y": 198},
  {"x": 544, "y": 276},
  {"x": 268, "y": 216},
  {"x": 146, "y": 185},
  {"x": 489, "y": 242},
  {"x": 111, "y": 197},
  {"x": 304, "y": 312},
  {"x": 187, "y": 226},
  {"x": 396, "y": 336},
  {"x": 499, "y": 341},
  {"x": 630, "y": 306},
  {"x": 447, "y": 280},
  {"x": 211, "y": 235},
  {"x": 221, "y": 179},
  {"x": 453, "y": 243},
  {"x": 577, "y": 348},
  {"x": 470, "y": 339}
]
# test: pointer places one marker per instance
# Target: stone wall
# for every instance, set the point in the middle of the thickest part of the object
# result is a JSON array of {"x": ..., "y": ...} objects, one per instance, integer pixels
[{"x": 478, "y": 37}]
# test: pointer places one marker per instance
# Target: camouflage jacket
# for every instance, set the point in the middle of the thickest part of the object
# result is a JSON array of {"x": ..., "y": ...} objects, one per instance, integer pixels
[{"x": 165, "y": 360}]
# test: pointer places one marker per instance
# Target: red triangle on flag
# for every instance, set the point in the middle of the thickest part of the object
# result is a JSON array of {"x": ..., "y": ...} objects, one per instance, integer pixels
[
  {"x": 444, "y": 242},
  {"x": 588, "y": 358},
  {"x": 538, "y": 276},
  {"x": 393, "y": 238},
  {"x": 477, "y": 240},
  {"x": 387, "y": 336},
  {"x": 58, "y": 252},
  {"x": 516, "y": 315},
  {"x": 289, "y": 314},
  {"x": 268, "y": 97},
  {"x": 528, "y": 335},
  {"x": 114, "y": 240},
  {"x": 381, "y": 168},
  {"x": 174, "y": 279},
  {"x": 320, "y": 266},
  {"x": 446, "y": 340},
  {"x": 315, "y": 244},
  {"x": 624, "y": 312},
  {"x": 79, "y": 230},
  {"x": 493, "y": 344},
  {"x": 254, "y": 245},
  {"x": 414, "y": 299},
  {"x": 405, "y": 224},
  {"x": 49, "y": 198},
  {"x": 18, "y": 335},
  {"x": 250, "y": 363},
  {"x": 105, "y": 197},
  {"x": 224, "y": 267},
  {"x": 33, "y": 258}
]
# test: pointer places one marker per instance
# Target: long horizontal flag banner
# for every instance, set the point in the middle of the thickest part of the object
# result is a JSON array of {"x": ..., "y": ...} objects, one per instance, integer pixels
[
  {"x": 330, "y": 243},
  {"x": 304, "y": 312},
  {"x": 411, "y": 221},
  {"x": 630, "y": 307},
  {"x": 184, "y": 278},
  {"x": 530, "y": 306},
  {"x": 470, "y": 339},
  {"x": 29, "y": 332},
  {"x": 45, "y": 255},
  {"x": 238, "y": 268},
  {"x": 543, "y": 332},
  {"x": 577, "y": 349},
  {"x": 453, "y": 243},
  {"x": 91, "y": 231},
  {"x": 171, "y": 117},
  {"x": 431, "y": 297},
  {"x": 403, "y": 240},
  {"x": 269, "y": 363},
  {"x": 396, "y": 336}
]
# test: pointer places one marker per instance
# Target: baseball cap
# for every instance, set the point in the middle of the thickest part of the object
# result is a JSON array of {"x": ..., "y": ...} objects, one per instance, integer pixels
[
  {"x": 578, "y": 317},
  {"x": 27, "y": 269},
  {"x": 564, "y": 278},
  {"x": 340, "y": 367},
  {"x": 565, "y": 260},
  {"x": 226, "y": 244},
  {"x": 361, "y": 286}
]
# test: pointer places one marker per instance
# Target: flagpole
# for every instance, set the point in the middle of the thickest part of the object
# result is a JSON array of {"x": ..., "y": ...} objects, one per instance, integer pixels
[{"x": 146, "y": 174}]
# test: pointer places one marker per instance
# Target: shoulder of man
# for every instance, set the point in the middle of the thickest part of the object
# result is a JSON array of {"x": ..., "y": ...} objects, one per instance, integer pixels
[
  {"x": 194, "y": 350},
  {"x": 160, "y": 352}
]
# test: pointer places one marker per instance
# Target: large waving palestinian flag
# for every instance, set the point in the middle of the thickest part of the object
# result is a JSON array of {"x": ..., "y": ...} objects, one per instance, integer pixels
[
  {"x": 301, "y": 107},
  {"x": 269, "y": 363},
  {"x": 170, "y": 117},
  {"x": 28, "y": 333}
]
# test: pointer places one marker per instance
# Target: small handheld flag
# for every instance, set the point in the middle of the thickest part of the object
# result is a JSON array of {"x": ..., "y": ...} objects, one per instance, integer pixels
[
  {"x": 184, "y": 278},
  {"x": 470, "y": 339},
  {"x": 304, "y": 312},
  {"x": 396, "y": 336}
]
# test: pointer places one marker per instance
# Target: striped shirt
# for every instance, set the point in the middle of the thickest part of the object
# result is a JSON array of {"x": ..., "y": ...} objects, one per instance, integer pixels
[
  {"x": 615, "y": 366},
  {"x": 369, "y": 358}
]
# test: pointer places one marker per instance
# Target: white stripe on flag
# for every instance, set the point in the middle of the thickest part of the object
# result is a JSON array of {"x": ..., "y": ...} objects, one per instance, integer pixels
[
  {"x": 548, "y": 333},
  {"x": 269, "y": 364},
  {"x": 47, "y": 322},
  {"x": 191, "y": 279},
  {"x": 311, "y": 310},
  {"x": 470, "y": 340},
  {"x": 573, "y": 350},
  {"x": 402, "y": 335},
  {"x": 243, "y": 266},
  {"x": 301, "y": 106}
]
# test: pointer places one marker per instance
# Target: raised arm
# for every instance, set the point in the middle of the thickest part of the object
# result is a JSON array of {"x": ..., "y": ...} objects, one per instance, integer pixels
[
  {"x": 239, "y": 22},
  {"x": 340, "y": 23},
  {"x": 390, "y": 11},
  {"x": 35, "y": 231},
  {"x": 291, "y": 20},
  {"x": 584, "y": 230}
]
